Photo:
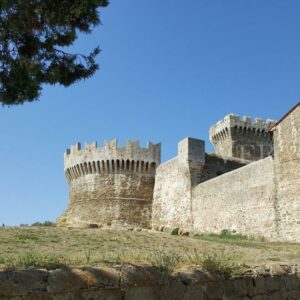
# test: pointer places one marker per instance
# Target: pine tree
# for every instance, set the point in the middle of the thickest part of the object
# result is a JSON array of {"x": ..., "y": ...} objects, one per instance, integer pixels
[{"x": 33, "y": 38}]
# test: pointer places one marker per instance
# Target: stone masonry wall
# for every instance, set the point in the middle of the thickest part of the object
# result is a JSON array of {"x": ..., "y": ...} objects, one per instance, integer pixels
[
  {"x": 110, "y": 198},
  {"x": 287, "y": 166},
  {"x": 172, "y": 197},
  {"x": 242, "y": 137},
  {"x": 216, "y": 165},
  {"x": 146, "y": 283},
  {"x": 241, "y": 201},
  {"x": 110, "y": 185},
  {"x": 173, "y": 188},
  {"x": 172, "y": 204}
]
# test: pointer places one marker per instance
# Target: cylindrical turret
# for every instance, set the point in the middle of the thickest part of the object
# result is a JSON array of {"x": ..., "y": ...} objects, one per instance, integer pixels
[{"x": 110, "y": 184}]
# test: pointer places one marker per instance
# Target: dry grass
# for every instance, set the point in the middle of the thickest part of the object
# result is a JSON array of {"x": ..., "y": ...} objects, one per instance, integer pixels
[{"x": 23, "y": 247}]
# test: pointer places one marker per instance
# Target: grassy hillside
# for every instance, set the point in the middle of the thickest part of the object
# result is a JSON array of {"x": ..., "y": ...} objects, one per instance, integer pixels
[{"x": 49, "y": 247}]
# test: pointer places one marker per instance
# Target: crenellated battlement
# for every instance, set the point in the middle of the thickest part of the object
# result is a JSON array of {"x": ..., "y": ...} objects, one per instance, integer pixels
[
  {"x": 91, "y": 159},
  {"x": 109, "y": 146},
  {"x": 240, "y": 125},
  {"x": 242, "y": 137}
]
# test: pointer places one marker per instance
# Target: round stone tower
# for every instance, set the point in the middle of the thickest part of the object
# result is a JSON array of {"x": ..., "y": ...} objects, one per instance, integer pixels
[{"x": 109, "y": 184}]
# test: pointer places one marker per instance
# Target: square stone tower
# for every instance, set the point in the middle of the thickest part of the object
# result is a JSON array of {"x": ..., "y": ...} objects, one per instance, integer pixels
[{"x": 242, "y": 137}]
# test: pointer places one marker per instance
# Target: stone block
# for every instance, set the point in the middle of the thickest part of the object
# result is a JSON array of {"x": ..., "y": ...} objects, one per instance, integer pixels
[
  {"x": 145, "y": 293},
  {"x": 278, "y": 296},
  {"x": 17, "y": 283},
  {"x": 260, "y": 285},
  {"x": 194, "y": 292},
  {"x": 64, "y": 280},
  {"x": 291, "y": 282},
  {"x": 275, "y": 283},
  {"x": 214, "y": 290},
  {"x": 102, "y": 294}
]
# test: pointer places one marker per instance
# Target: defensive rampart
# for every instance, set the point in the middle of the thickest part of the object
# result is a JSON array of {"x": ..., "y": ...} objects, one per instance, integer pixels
[
  {"x": 110, "y": 184},
  {"x": 260, "y": 199},
  {"x": 175, "y": 179},
  {"x": 240, "y": 201}
]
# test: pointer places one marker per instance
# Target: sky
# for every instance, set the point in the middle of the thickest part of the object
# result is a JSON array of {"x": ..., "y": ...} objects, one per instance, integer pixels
[{"x": 168, "y": 70}]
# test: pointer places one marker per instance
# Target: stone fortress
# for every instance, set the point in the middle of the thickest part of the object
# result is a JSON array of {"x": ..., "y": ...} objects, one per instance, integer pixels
[{"x": 250, "y": 185}]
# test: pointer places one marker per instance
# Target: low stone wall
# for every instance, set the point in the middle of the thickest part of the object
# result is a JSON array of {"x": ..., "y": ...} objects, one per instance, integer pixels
[
  {"x": 148, "y": 283},
  {"x": 242, "y": 201}
]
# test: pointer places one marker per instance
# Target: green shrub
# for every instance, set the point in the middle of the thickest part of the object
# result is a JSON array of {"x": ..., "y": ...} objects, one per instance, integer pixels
[
  {"x": 216, "y": 263},
  {"x": 175, "y": 231},
  {"x": 45, "y": 223},
  {"x": 164, "y": 261}
]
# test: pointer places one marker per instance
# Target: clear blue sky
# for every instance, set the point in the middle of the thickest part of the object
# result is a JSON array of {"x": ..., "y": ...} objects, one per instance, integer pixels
[{"x": 169, "y": 69}]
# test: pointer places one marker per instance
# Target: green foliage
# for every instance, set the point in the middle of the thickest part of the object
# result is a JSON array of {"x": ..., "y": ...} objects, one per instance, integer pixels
[
  {"x": 216, "y": 263},
  {"x": 34, "y": 259},
  {"x": 230, "y": 238},
  {"x": 175, "y": 231},
  {"x": 45, "y": 223},
  {"x": 227, "y": 234},
  {"x": 166, "y": 262},
  {"x": 26, "y": 236},
  {"x": 33, "y": 35}
]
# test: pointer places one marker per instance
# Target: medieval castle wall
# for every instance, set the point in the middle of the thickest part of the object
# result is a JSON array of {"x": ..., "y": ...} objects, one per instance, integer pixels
[
  {"x": 287, "y": 171},
  {"x": 241, "y": 201},
  {"x": 260, "y": 198},
  {"x": 250, "y": 186},
  {"x": 175, "y": 179},
  {"x": 110, "y": 184}
]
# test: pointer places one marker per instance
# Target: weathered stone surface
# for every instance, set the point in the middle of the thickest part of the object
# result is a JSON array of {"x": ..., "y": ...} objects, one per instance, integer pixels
[
  {"x": 275, "y": 283},
  {"x": 240, "y": 201},
  {"x": 287, "y": 165},
  {"x": 110, "y": 184},
  {"x": 261, "y": 199},
  {"x": 194, "y": 192},
  {"x": 142, "y": 283},
  {"x": 242, "y": 138},
  {"x": 22, "y": 282},
  {"x": 137, "y": 293}
]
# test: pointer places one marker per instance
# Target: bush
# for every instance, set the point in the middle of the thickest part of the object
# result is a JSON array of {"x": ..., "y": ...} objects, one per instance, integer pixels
[
  {"x": 216, "y": 263},
  {"x": 226, "y": 233},
  {"x": 175, "y": 231},
  {"x": 46, "y": 223},
  {"x": 164, "y": 261}
]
